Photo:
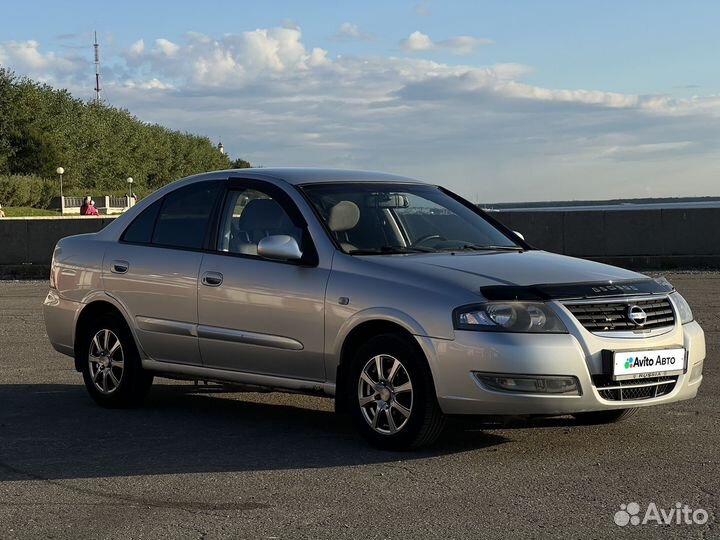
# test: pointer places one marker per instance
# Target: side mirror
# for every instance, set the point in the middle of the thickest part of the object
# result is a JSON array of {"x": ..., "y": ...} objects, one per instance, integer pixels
[
  {"x": 519, "y": 235},
  {"x": 280, "y": 247}
]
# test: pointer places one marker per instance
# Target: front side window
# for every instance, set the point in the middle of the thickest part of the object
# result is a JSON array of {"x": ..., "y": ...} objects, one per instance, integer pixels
[
  {"x": 185, "y": 214},
  {"x": 249, "y": 216},
  {"x": 401, "y": 218}
]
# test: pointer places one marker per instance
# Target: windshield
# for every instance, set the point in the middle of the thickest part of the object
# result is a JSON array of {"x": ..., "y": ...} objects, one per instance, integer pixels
[{"x": 402, "y": 218}]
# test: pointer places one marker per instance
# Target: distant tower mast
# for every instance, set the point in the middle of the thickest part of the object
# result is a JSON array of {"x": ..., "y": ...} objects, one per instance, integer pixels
[{"x": 97, "y": 70}]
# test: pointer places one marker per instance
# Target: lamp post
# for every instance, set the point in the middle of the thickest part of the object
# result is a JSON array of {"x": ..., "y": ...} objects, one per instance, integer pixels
[
  {"x": 60, "y": 172},
  {"x": 130, "y": 183}
]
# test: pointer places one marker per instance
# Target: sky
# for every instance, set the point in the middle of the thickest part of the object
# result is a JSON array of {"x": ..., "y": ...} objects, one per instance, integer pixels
[{"x": 497, "y": 100}]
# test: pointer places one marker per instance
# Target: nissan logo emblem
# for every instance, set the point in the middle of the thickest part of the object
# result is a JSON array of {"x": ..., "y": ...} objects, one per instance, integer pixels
[{"x": 637, "y": 315}]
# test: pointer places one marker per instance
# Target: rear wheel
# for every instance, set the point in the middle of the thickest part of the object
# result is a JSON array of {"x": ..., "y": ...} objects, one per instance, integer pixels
[
  {"x": 605, "y": 417},
  {"x": 111, "y": 366},
  {"x": 393, "y": 400}
]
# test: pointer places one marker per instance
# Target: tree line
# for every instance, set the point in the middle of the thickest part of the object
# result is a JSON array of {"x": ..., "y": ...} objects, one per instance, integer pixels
[{"x": 99, "y": 146}]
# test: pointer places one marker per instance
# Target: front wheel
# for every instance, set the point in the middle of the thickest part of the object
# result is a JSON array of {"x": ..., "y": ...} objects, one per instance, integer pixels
[
  {"x": 394, "y": 405},
  {"x": 111, "y": 365},
  {"x": 605, "y": 417}
]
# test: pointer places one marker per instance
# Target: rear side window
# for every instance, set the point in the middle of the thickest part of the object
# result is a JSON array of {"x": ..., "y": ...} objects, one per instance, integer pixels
[
  {"x": 141, "y": 229},
  {"x": 185, "y": 215}
]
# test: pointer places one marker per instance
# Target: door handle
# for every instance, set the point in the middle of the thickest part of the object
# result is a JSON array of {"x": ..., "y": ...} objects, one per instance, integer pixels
[
  {"x": 119, "y": 267},
  {"x": 212, "y": 279}
]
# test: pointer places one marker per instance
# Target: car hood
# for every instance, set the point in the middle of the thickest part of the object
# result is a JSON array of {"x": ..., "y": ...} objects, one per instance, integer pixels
[{"x": 472, "y": 270}]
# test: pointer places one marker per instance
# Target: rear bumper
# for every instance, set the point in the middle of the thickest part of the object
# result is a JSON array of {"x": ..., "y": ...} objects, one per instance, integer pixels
[
  {"x": 455, "y": 362},
  {"x": 60, "y": 315}
]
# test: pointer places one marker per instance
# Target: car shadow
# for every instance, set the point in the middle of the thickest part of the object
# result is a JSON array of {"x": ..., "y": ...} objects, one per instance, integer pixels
[
  {"x": 55, "y": 431},
  {"x": 473, "y": 423}
]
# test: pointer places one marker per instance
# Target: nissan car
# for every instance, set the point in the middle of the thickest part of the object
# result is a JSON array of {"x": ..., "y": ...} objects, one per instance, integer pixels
[{"x": 398, "y": 299}]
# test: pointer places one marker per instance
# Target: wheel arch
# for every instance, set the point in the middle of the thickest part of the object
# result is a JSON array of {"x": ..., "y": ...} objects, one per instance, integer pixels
[
  {"x": 90, "y": 312},
  {"x": 357, "y": 335}
]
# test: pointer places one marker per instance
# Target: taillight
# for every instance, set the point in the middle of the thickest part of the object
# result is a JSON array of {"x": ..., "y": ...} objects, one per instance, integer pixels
[{"x": 53, "y": 280}]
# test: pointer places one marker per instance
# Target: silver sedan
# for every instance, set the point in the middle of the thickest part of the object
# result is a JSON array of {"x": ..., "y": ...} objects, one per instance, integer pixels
[{"x": 398, "y": 298}]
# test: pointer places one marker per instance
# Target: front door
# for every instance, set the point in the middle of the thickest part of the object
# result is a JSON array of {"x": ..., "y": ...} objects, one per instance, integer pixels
[{"x": 256, "y": 315}]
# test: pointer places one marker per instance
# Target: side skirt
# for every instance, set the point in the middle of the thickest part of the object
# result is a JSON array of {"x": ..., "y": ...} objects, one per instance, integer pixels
[{"x": 184, "y": 371}]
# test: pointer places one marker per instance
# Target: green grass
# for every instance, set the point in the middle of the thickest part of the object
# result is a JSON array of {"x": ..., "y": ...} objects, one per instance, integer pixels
[{"x": 26, "y": 211}]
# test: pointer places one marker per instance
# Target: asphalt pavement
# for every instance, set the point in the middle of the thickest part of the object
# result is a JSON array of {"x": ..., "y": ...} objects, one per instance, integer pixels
[{"x": 206, "y": 463}]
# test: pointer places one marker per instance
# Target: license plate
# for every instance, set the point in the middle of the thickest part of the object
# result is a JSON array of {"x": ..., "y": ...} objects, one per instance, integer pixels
[{"x": 646, "y": 364}]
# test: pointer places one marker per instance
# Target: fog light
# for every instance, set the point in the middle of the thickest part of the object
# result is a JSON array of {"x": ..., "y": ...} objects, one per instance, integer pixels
[
  {"x": 526, "y": 384},
  {"x": 696, "y": 373}
]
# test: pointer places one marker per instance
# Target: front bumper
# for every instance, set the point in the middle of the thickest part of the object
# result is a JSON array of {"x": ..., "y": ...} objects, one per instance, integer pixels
[{"x": 578, "y": 354}]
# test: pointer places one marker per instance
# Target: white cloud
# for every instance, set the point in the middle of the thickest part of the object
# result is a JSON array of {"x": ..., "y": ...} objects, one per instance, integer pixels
[
  {"x": 28, "y": 56},
  {"x": 279, "y": 101},
  {"x": 419, "y": 42},
  {"x": 317, "y": 57},
  {"x": 151, "y": 84},
  {"x": 241, "y": 58},
  {"x": 137, "y": 49},
  {"x": 638, "y": 151},
  {"x": 348, "y": 31},
  {"x": 463, "y": 44},
  {"x": 166, "y": 47}
]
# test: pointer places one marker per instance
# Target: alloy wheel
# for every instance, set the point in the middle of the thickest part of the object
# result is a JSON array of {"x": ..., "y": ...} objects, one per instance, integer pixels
[
  {"x": 385, "y": 394},
  {"x": 107, "y": 361}
]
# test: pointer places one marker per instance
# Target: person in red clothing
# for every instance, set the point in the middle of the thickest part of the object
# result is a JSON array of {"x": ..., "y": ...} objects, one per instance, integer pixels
[
  {"x": 90, "y": 209},
  {"x": 84, "y": 206}
]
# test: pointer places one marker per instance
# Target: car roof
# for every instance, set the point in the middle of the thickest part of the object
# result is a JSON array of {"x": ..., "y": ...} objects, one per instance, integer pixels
[
  {"x": 291, "y": 175},
  {"x": 299, "y": 175}
]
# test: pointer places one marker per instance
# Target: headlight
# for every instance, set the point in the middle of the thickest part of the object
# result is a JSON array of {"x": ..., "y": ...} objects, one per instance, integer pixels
[
  {"x": 535, "y": 317},
  {"x": 683, "y": 308}
]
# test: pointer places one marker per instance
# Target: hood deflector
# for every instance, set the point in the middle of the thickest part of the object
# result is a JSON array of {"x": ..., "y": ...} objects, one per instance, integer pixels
[{"x": 567, "y": 291}]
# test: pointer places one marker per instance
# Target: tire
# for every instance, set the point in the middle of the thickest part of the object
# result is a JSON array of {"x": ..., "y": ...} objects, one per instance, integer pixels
[
  {"x": 604, "y": 417},
  {"x": 405, "y": 391},
  {"x": 117, "y": 379}
]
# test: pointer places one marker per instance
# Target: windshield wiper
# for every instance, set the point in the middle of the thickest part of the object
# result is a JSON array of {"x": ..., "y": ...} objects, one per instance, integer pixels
[
  {"x": 477, "y": 247},
  {"x": 390, "y": 250}
]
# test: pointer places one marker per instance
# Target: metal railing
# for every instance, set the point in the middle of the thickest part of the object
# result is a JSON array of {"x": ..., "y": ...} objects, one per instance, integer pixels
[
  {"x": 73, "y": 202},
  {"x": 104, "y": 203},
  {"x": 118, "y": 202}
]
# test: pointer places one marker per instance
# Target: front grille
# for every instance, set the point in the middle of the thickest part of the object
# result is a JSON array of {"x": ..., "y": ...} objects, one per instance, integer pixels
[
  {"x": 634, "y": 390},
  {"x": 613, "y": 316}
]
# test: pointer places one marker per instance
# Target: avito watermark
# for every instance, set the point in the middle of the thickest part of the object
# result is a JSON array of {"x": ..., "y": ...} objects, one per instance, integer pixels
[{"x": 680, "y": 514}]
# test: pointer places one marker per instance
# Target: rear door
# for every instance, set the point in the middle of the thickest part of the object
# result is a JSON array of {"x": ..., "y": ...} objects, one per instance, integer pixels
[
  {"x": 153, "y": 271},
  {"x": 257, "y": 315}
]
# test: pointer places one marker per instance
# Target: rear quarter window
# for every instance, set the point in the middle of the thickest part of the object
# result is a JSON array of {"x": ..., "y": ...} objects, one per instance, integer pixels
[{"x": 141, "y": 229}]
